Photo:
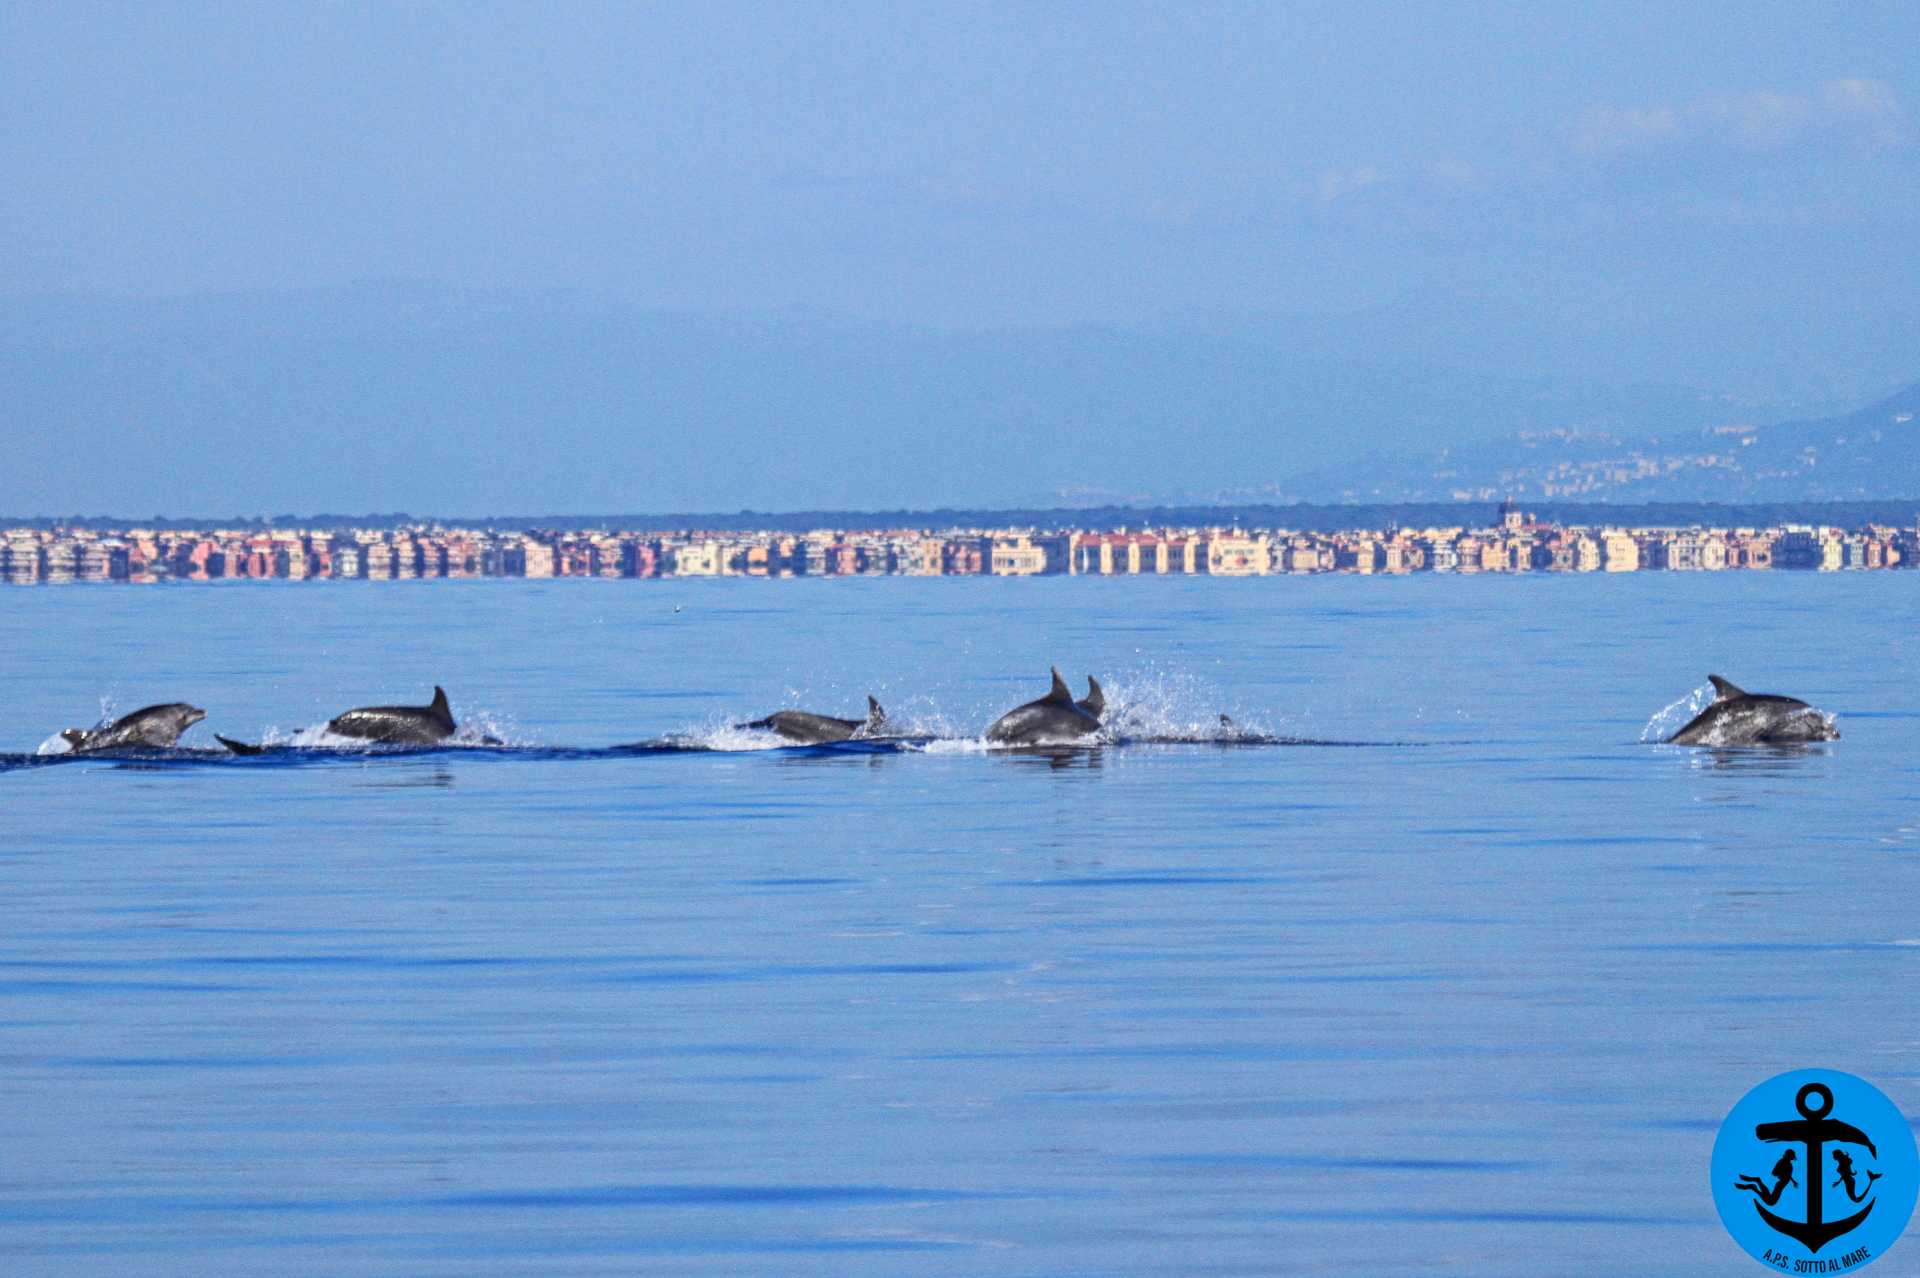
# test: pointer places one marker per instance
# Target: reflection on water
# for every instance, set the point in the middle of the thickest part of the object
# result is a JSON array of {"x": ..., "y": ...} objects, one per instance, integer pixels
[
  {"x": 1055, "y": 758},
  {"x": 1765, "y": 760},
  {"x": 434, "y": 776},
  {"x": 1469, "y": 996}
]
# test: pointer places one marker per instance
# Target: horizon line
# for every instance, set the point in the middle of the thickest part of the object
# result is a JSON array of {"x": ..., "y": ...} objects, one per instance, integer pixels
[{"x": 921, "y": 516}]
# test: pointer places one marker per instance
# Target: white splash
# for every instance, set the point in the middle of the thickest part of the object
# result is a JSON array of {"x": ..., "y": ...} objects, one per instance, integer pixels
[
  {"x": 1173, "y": 707},
  {"x": 486, "y": 728},
  {"x": 919, "y": 717},
  {"x": 57, "y": 744},
  {"x": 727, "y": 734},
  {"x": 957, "y": 745},
  {"x": 1677, "y": 715}
]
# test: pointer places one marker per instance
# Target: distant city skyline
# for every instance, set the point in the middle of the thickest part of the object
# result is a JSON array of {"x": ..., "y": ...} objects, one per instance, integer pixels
[
  {"x": 289, "y": 237},
  {"x": 1516, "y": 541}
]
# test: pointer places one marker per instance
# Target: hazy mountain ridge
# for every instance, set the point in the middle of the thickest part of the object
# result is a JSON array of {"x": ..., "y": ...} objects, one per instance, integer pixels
[
  {"x": 1871, "y": 453},
  {"x": 416, "y": 397}
]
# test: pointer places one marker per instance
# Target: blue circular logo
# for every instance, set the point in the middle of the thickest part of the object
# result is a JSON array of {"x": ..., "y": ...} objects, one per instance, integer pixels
[{"x": 1814, "y": 1172}]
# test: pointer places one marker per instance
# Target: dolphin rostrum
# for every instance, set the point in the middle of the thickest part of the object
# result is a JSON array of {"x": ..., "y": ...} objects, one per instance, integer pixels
[
  {"x": 1055, "y": 719},
  {"x": 398, "y": 725},
  {"x": 816, "y": 729},
  {"x": 153, "y": 727},
  {"x": 1738, "y": 718}
]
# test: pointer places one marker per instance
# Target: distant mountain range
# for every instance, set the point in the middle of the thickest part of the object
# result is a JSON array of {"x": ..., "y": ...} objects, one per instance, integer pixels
[
  {"x": 401, "y": 397},
  {"x": 404, "y": 397},
  {"x": 1869, "y": 454}
]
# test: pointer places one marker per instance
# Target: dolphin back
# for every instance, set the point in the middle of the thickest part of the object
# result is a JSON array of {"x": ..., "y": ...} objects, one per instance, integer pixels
[
  {"x": 1052, "y": 720},
  {"x": 398, "y": 725},
  {"x": 1095, "y": 702},
  {"x": 1737, "y": 717},
  {"x": 809, "y": 728},
  {"x": 806, "y": 727},
  {"x": 1725, "y": 689}
]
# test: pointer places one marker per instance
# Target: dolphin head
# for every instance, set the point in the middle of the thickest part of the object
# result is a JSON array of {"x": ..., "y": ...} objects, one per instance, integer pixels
[
  {"x": 162, "y": 725},
  {"x": 175, "y": 718},
  {"x": 1812, "y": 725},
  {"x": 74, "y": 737}
]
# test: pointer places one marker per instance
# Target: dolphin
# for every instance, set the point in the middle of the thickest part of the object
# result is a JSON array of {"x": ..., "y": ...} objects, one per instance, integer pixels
[
  {"x": 816, "y": 729},
  {"x": 154, "y": 727},
  {"x": 1095, "y": 702},
  {"x": 385, "y": 725},
  {"x": 1738, "y": 718},
  {"x": 398, "y": 725},
  {"x": 1055, "y": 719}
]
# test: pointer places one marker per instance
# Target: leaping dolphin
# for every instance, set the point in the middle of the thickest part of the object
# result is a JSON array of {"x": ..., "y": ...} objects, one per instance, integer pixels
[
  {"x": 1738, "y": 718},
  {"x": 156, "y": 727},
  {"x": 808, "y": 728},
  {"x": 1055, "y": 719}
]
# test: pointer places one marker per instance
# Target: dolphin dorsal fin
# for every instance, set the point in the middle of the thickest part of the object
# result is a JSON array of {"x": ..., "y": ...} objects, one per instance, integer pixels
[
  {"x": 875, "y": 715},
  {"x": 1096, "y": 702},
  {"x": 439, "y": 703},
  {"x": 1724, "y": 691},
  {"x": 1060, "y": 692}
]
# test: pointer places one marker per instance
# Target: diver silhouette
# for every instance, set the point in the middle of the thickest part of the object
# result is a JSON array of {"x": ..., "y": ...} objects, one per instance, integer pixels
[
  {"x": 1782, "y": 1177},
  {"x": 1844, "y": 1165}
]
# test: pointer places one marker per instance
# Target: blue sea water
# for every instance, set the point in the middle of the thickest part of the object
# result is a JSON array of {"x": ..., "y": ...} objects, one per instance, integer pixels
[{"x": 1468, "y": 992}]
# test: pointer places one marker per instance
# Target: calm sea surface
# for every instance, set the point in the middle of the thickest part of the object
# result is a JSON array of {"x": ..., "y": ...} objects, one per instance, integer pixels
[{"x": 1470, "y": 996}]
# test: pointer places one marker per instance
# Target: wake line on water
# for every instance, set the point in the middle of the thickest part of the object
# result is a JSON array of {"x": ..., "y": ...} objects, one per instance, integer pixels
[{"x": 303, "y": 755}]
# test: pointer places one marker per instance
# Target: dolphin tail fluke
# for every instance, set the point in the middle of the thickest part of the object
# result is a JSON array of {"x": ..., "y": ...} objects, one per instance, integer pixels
[
  {"x": 238, "y": 747},
  {"x": 74, "y": 737},
  {"x": 1724, "y": 691},
  {"x": 1096, "y": 702},
  {"x": 1060, "y": 692}
]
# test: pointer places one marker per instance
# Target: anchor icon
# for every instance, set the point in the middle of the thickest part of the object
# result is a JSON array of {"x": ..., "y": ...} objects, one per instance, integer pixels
[{"x": 1815, "y": 1130}]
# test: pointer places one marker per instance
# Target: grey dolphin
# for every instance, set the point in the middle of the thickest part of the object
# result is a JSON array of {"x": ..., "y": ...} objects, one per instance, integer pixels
[
  {"x": 816, "y": 729},
  {"x": 1095, "y": 702},
  {"x": 157, "y": 727},
  {"x": 1739, "y": 718},
  {"x": 1055, "y": 719},
  {"x": 398, "y": 725}
]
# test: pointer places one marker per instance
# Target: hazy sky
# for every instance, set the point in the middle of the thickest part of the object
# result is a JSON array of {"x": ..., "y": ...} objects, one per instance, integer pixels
[
  {"x": 966, "y": 163},
  {"x": 1720, "y": 193}
]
